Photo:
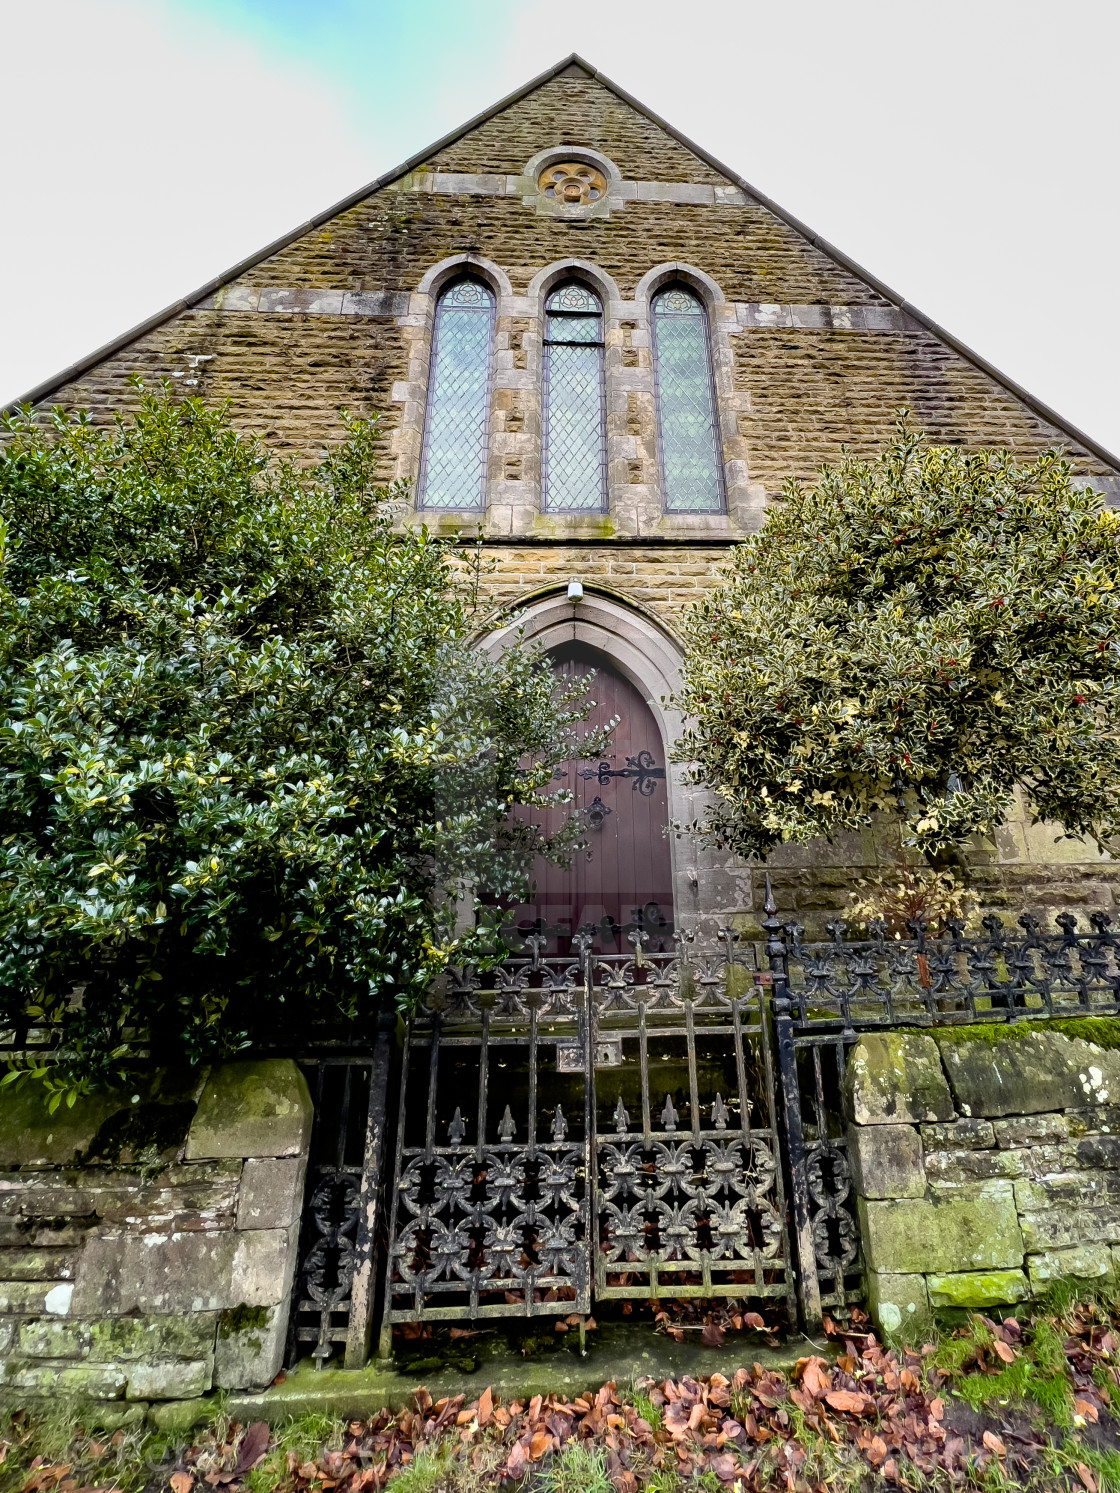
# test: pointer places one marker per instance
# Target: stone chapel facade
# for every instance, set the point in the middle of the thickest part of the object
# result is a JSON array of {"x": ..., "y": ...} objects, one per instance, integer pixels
[{"x": 602, "y": 352}]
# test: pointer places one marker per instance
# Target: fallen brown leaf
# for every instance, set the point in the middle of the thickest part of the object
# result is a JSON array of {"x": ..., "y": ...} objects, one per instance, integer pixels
[
  {"x": 181, "y": 1482},
  {"x": 849, "y": 1401},
  {"x": 539, "y": 1445},
  {"x": 485, "y": 1406},
  {"x": 994, "y": 1444},
  {"x": 1088, "y": 1481}
]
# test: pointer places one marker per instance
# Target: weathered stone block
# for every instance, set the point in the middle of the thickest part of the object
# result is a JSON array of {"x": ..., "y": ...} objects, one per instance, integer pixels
[
  {"x": 978, "y": 1288},
  {"x": 31, "y": 1298},
  {"x": 176, "y": 1379},
  {"x": 263, "y": 1266},
  {"x": 896, "y": 1078},
  {"x": 1069, "y": 1190},
  {"x": 38, "y": 1264},
  {"x": 191, "y": 1272},
  {"x": 271, "y": 1193},
  {"x": 159, "y": 1273},
  {"x": 1103, "y": 1119},
  {"x": 1055, "y": 1228},
  {"x": 250, "y": 1347},
  {"x": 1031, "y": 1130},
  {"x": 1081, "y": 1262},
  {"x": 1021, "y": 1071},
  {"x": 959, "y": 1135},
  {"x": 54, "y": 1339},
  {"x": 911, "y": 1236},
  {"x": 258, "y": 1108},
  {"x": 102, "y": 1381},
  {"x": 886, "y": 1161},
  {"x": 124, "y": 1339},
  {"x": 29, "y": 1136},
  {"x": 896, "y": 1301},
  {"x": 1095, "y": 1150},
  {"x": 963, "y": 1168},
  {"x": 178, "y": 1417}
]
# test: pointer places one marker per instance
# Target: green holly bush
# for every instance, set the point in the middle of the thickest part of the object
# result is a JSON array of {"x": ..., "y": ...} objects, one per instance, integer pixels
[
  {"x": 249, "y": 758},
  {"x": 920, "y": 635}
]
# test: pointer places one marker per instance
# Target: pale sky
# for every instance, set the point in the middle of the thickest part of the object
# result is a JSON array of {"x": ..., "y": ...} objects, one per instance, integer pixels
[{"x": 964, "y": 152}]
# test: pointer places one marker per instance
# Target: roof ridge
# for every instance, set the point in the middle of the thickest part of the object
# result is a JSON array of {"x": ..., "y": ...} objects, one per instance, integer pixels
[{"x": 1039, "y": 407}]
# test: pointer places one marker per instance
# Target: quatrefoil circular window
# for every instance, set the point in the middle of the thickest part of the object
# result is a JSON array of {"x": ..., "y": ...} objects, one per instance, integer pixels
[{"x": 572, "y": 182}]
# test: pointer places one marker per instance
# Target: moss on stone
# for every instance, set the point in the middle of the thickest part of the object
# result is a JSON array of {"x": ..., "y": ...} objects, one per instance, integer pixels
[
  {"x": 1101, "y": 1031},
  {"x": 243, "y": 1319},
  {"x": 143, "y": 1134}
]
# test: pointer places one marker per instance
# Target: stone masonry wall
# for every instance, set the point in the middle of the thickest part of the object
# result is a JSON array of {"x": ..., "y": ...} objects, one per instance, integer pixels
[
  {"x": 806, "y": 357},
  {"x": 148, "y": 1238},
  {"x": 986, "y": 1163}
]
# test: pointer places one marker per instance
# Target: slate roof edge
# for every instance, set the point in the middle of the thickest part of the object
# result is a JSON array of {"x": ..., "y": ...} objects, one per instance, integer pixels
[{"x": 1042, "y": 410}]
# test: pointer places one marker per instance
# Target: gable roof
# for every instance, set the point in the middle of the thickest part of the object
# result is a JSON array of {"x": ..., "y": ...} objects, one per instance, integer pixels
[{"x": 573, "y": 60}]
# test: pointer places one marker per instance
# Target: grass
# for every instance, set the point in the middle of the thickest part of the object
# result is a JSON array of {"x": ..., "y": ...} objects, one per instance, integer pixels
[
  {"x": 65, "y": 1430},
  {"x": 648, "y": 1411},
  {"x": 576, "y": 1468}
]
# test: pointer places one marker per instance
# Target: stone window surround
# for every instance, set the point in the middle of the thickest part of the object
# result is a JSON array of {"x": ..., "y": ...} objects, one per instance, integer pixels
[{"x": 513, "y": 488}]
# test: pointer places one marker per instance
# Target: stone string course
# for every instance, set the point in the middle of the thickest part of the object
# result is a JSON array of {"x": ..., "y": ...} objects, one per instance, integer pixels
[
  {"x": 141, "y": 1264},
  {"x": 986, "y": 1163}
]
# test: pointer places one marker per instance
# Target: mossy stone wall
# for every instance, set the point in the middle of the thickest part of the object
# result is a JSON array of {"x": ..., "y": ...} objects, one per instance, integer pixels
[
  {"x": 148, "y": 1237},
  {"x": 986, "y": 1163}
]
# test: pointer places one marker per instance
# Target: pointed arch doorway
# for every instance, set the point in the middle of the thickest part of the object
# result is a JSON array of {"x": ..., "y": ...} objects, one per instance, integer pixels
[{"x": 622, "y": 878}]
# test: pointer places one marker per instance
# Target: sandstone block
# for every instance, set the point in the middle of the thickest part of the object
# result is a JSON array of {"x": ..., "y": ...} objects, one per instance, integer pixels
[
  {"x": 271, "y": 1193},
  {"x": 959, "y": 1135},
  {"x": 1056, "y": 1228},
  {"x": 189, "y": 1335},
  {"x": 895, "y": 1301},
  {"x": 38, "y": 1264},
  {"x": 179, "y": 1417},
  {"x": 886, "y": 1161},
  {"x": 260, "y": 1108},
  {"x": 176, "y": 1379},
  {"x": 966, "y": 1167},
  {"x": 895, "y": 1078},
  {"x": 1081, "y": 1262},
  {"x": 31, "y": 1298},
  {"x": 250, "y": 1347},
  {"x": 1031, "y": 1130},
  {"x": 1021, "y": 1071},
  {"x": 909, "y": 1236},
  {"x": 156, "y": 1273},
  {"x": 263, "y": 1266},
  {"x": 978, "y": 1288},
  {"x": 101, "y": 1381},
  {"x": 1068, "y": 1189},
  {"x": 54, "y": 1339}
]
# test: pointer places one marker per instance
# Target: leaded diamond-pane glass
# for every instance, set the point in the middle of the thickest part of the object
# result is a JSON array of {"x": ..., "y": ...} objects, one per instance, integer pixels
[
  {"x": 690, "y": 456},
  {"x": 574, "y": 401},
  {"x": 453, "y": 470}
]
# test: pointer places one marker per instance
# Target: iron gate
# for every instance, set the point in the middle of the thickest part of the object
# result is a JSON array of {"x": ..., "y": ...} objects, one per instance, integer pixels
[
  {"x": 596, "y": 1126},
  {"x": 630, "y": 1151}
]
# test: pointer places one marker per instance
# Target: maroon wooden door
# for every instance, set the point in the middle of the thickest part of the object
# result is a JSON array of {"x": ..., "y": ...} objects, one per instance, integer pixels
[{"x": 623, "y": 878}]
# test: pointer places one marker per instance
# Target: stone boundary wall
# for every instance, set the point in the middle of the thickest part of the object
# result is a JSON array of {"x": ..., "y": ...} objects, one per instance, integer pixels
[
  {"x": 986, "y": 1163},
  {"x": 148, "y": 1237}
]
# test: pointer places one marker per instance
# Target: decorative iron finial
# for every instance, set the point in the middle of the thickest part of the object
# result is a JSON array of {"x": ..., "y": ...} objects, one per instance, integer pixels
[
  {"x": 507, "y": 1129},
  {"x": 720, "y": 1113},
  {"x": 456, "y": 1130},
  {"x": 559, "y": 1124},
  {"x": 669, "y": 1116},
  {"x": 621, "y": 1118},
  {"x": 769, "y": 907}
]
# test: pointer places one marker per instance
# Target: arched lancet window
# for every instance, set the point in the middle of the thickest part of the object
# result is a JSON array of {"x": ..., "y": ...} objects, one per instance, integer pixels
[
  {"x": 687, "y": 428},
  {"x": 453, "y": 463},
  {"x": 574, "y": 462}
]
